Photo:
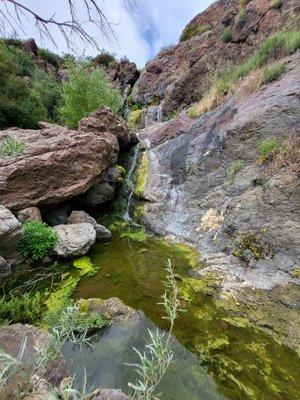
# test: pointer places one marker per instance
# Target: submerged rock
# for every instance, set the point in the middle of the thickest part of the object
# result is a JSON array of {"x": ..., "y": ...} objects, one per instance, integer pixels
[
  {"x": 29, "y": 214},
  {"x": 74, "y": 239},
  {"x": 10, "y": 236},
  {"x": 78, "y": 217}
]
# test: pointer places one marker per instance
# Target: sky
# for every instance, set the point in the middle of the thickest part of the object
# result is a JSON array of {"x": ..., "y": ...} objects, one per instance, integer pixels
[{"x": 141, "y": 34}]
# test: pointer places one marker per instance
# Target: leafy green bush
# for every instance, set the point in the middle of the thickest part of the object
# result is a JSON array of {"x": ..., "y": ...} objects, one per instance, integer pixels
[
  {"x": 24, "y": 61},
  {"x": 11, "y": 146},
  {"x": 194, "y": 30},
  {"x": 38, "y": 240},
  {"x": 226, "y": 35},
  {"x": 26, "y": 308},
  {"x": 273, "y": 72},
  {"x": 48, "y": 56},
  {"x": 276, "y": 3},
  {"x": 267, "y": 147},
  {"x": 240, "y": 19},
  {"x": 286, "y": 42},
  {"x": 85, "y": 92}
]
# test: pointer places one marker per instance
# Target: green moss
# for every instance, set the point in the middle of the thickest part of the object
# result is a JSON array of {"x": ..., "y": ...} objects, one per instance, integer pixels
[
  {"x": 138, "y": 212},
  {"x": 134, "y": 118},
  {"x": 194, "y": 29},
  {"x": 238, "y": 322},
  {"x": 190, "y": 253},
  {"x": 122, "y": 173},
  {"x": 141, "y": 175},
  {"x": 137, "y": 236},
  {"x": 192, "y": 112},
  {"x": 190, "y": 288},
  {"x": 85, "y": 265},
  {"x": 248, "y": 242}
]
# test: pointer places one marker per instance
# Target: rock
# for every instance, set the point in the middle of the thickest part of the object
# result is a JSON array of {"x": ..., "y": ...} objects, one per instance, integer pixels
[
  {"x": 103, "y": 120},
  {"x": 29, "y": 45},
  {"x": 12, "y": 338},
  {"x": 10, "y": 236},
  {"x": 57, "y": 164},
  {"x": 180, "y": 75},
  {"x": 99, "y": 194},
  {"x": 74, "y": 240},
  {"x": 57, "y": 215},
  {"x": 109, "y": 394},
  {"x": 203, "y": 183},
  {"x": 29, "y": 214},
  {"x": 78, "y": 217},
  {"x": 5, "y": 268},
  {"x": 112, "y": 308}
]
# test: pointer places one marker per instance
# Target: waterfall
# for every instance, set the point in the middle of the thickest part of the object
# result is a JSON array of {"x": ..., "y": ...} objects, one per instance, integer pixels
[{"x": 129, "y": 183}]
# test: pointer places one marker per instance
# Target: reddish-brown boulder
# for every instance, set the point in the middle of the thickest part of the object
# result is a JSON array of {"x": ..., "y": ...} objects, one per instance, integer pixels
[{"x": 57, "y": 164}]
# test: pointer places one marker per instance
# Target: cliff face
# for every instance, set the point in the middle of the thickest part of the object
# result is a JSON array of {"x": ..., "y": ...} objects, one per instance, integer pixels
[{"x": 222, "y": 36}]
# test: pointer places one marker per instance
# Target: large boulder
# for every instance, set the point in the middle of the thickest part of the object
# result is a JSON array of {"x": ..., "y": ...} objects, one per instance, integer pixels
[
  {"x": 99, "y": 194},
  {"x": 79, "y": 217},
  {"x": 103, "y": 120},
  {"x": 29, "y": 214},
  {"x": 10, "y": 236},
  {"x": 181, "y": 74},
  {"x": 57, "y": 164},
  {"x": 74, "y": 240}
]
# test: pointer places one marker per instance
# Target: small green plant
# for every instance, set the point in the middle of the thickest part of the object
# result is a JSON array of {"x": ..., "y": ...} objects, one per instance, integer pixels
[
  {"x": 226, "y": 35},
  {"x": 11, "y": 147},
  {"x": 240, "y": 19},
  {"x": 85, "y": 92},
  {"x": 243, "y": 3},
  {"x": 38, "y": 240},
  {"x": 267, "y": 148},
  {"x": 273, "y": 72},
  {"x": 194, "y": 30},
  {"x": 49, "y": 57},
  {"x": 156, "y": 359},
  {"x": 276, "y": 3},
  {"x": 192, "y": 112},
  {"x": 25, "y": 308},
  {"x": 234, "y": 168}
]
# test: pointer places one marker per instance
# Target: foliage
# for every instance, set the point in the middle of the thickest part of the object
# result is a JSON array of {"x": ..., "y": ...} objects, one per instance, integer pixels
[
  {"x": 192, "y": 30},
  {"x": 11, "y": 147},
  {"x": 38, "y": 240},
  {"x": 134, "y": 118},
  {"x": 243, "y": 3},
  {"x": 234, "y": 168},
  {"x": 226, "y": 35},
  {"x": 286, "y": 42},
  {"x": 276, "y": 3},
  {"x": 137, "y": 236},
  {"x": 25, "y": 308},
  {"x": 85, "y": 92},
  {"x": 273, "y": 72},
  {"x": 105, "y": 59},
  {"x": 49, "y": 57},
  {"x": 267, "y": 148},
  {"x": 23, "y": 61},
  {"x": 158, "y": 355},
  {"x": 240, "y": 19},
  {"x": 249, "y": 242},
  {"x": 192, "y": 112}
]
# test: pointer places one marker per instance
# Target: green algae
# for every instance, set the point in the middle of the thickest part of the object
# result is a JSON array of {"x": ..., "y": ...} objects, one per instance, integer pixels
[
  {"x": 246, "y": 362},
  {"x": 137, "y": 236},
  {"x": 141, "y": 175},
  {"x": 85, "y": 266}
]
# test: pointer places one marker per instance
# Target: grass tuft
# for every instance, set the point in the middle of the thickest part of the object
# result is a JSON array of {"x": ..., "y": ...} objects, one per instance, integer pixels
[
  {"x": 194, "y": 30},
  {"x": 273, "y": 72},
  {"x": 11, "y": 147},
  {"x": 226, "y": 35}
]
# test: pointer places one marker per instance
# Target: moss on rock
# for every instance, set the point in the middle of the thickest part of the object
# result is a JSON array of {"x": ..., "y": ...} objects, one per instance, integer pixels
[{"x": 141, "y": 175}]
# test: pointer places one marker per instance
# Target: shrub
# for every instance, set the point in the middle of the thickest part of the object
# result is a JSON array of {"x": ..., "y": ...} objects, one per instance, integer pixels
[
  {"x": 104, "y": 59},
  {"x": 38, "y": 240},
  {"x": 85, "y": 92},
  {"x": 267, "y": 149},
  {"x": 276, "y": 3},
  {"x": 24, "y": 61},
  {"x": 11, "y": 146},
  {"x": 240, "y": 19},
  {"x": 49, "y": 57},
  {"x": 273, "y": 72},
  {"x": 26, "y": 308},
  {"x": 32, "y": 110},
  {"x": 192, "y": 30},
  {"x": 226, "y": 35}
]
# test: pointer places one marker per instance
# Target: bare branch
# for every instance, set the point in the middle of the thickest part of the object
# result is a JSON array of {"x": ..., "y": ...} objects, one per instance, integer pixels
[{"x": 72, "y": 30}]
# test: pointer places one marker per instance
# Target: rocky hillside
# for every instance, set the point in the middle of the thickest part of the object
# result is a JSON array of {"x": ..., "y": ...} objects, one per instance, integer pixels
[{"x": 224, "y": 35}]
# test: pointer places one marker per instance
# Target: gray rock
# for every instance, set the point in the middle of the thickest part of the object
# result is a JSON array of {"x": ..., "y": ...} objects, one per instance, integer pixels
[
  {"x": 99, "y": 194},
  {"x": 5, "y": 268},
  {"x": 74, "y": 239},
  {"x": 79, "y": 217},
  {"x": 29, "y": 214},
  {"x": 57, "y": 215},
  {"x": 10, "y": 236},
  {"x": 109, "y": 394}
]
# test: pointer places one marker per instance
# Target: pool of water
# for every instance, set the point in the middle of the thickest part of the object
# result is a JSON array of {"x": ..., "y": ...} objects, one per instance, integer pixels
[{"x": 219, "y": 356}]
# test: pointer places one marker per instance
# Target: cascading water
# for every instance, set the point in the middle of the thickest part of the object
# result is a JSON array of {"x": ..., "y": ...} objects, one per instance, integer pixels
[{"x": 129, "y": 183}]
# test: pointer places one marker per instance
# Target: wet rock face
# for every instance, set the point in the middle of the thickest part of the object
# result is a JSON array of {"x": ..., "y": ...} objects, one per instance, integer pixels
[
  {"x": 57, "y": 164},
  {"x": 180, "y": 75},
  {"x": 10, "y": 236},
  {"x": 207, "y": 186},
  {"x": 74, "y": 239}
]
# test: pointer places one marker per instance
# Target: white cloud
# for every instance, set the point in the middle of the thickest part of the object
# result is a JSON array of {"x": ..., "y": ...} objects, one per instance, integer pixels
[{"x": 155, "y": 24}]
